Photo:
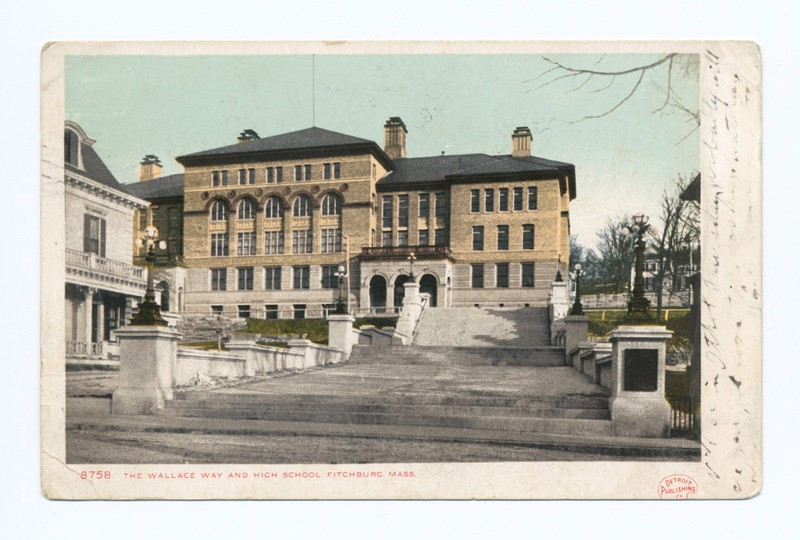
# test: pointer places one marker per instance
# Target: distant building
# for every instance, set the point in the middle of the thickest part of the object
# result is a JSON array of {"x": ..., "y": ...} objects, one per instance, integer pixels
[{"x": 102, "y": 286}]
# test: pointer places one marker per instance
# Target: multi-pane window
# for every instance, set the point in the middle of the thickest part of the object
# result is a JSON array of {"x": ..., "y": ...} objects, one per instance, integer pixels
[
  {"x": 300, "y": 277},
  {"x": 337, "y": 170},
  {"x": 219, "y": 245},
  {"x": 402, "y": 238},
  {"x": 219, "y": 279},
  {"x": 331, "y": 205},
  {"x": 502, "y": 274},
  {"x": 502, "y": 237},
  {"x": 475, "y": 200},
  {"x": 488, "y": 201},
  {"x": 301, "y": 206},
  {"x": 274, "y": 174},
  {"x": 70, "y": 147},
  {"x": 386, "y": 239},
  {"x": 219, "y": 211},
  {"x": 307, "y": 169},
  {"x": 330, "y": 278},
  {"x": 477, "y": 276},
  {"x": 273, "y": 208},
  {"x": 271, "y": 311},
  {"x": 246, "y": 243},
  {"x": 331, "y": 170},
  {"x": 532, "y": 198},
  {"x": 272, "y": 277},
  {"x": 94, "y": 235},
  {"x": 247, "y": 176},
  {"x": 440, "y": 237},
  {"x": 247, "y": 209},
  {"x": 217, "y": 310},
  {"x": 244, "y": 310},
  {"x": 301, "y": 241},
  {"x": 388, "y": 207},
  {"x": 424, "y": 205},
  {"x": 402, "y": 210},
  {"x": 298, "y": 173},
  {"x": 528, "y": 279},
  {"x": 527, "y": 237},
  {"x": 331, "y": 240},
  {"x": 299, "y": 311},
  {"x": 441, "y": 205},
  {"x": 503, "y": 199},
  {"x": 219, "y": 178},
  {"x": 477, "y": 238},
  {"x": 273, "y": 242},
  {"x": 424, "y": 237},
  {"x": 326, "y": 171},
  {"x": 517, "y": 199},
  {"x": 244, "y": 278}
]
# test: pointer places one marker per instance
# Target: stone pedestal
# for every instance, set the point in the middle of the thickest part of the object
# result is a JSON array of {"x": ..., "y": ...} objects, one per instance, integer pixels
[
  {"x": 559, "y": 300},
  {"x": 147, "y": 358},
  {"x": 303, "y": 347},
  {"x": 340, "y": 333},
  {"x": 410, "y": 312},
  {"x": 577, "y": 327},
  {"x": 638, "y": 405}
]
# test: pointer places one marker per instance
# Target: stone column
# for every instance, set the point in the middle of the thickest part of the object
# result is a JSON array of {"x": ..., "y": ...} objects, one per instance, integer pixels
[
  {"x": 638, "y": 405},
  {"x": 577, "y": 327},
  {"x": 88, "y": 299},
  {"x": 146, "y": 369},
  {"x": 410, "y": 312},
  {"x": 340, "y": 333}
]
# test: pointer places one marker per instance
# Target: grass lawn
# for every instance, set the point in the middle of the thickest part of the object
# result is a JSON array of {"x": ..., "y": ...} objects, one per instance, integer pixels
[{"x": 679, "y": 321}]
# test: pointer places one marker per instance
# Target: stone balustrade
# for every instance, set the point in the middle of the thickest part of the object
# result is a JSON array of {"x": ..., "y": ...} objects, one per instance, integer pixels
[{"x": 90, "y": 261}]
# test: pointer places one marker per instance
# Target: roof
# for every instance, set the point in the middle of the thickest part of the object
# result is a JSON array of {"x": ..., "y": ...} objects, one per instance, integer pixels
[
  {"x": 160, "y": 188},
  {"x": 94, "y": 168},
  {"x": 304, "y": 139}
]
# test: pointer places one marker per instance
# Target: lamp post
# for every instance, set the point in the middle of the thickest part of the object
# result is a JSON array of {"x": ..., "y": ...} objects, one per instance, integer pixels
[
  {"x": 639, "y": 305},
  {"x": 577, "y": 307},
  {"x": 411, "y": 259},
  {"x": 341, "y": 307},
  {"x": 559, "y": 278},
  {"x": 149, "y": 311}
]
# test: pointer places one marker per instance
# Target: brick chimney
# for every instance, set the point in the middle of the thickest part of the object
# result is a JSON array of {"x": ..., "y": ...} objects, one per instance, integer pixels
[
  {"x": 395, "y": 140},
  {"x": 247, "y": 135},
  {"x": 521, "y": 142},
  {"x": 150, "y": 168}
]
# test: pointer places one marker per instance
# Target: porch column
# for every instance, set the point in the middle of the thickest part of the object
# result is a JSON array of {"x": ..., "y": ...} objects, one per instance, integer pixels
[{"x": 88, "y": 299}]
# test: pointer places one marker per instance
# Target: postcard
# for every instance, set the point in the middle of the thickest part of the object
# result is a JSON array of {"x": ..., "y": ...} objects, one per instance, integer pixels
[{"x": 401, "y": 270}]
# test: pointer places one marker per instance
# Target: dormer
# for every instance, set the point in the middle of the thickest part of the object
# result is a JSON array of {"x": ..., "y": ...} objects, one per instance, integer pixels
[{"x": 74, "y": 139}]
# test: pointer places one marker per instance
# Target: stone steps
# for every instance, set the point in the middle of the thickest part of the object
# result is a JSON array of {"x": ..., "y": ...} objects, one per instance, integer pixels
[
  {"x": 522, "y": 327},
  {"x": 466, "y": 356}
]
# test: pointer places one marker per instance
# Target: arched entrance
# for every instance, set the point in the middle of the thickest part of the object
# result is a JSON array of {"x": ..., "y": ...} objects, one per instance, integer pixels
[
  {"x": 164, "y": 288},
  {"x": 399, "y": 290},
  {"x": 377, "y": 293},
  {"x": 428, "y": 284}
]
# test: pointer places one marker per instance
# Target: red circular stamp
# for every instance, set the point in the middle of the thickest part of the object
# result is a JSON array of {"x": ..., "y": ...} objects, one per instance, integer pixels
[{"x": 677, "y": 486}]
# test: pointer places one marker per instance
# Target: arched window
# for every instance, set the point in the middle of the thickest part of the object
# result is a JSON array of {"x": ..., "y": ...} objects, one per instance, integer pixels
[
  {"x": 273, "y": 208},
  {"x": 301, "y": 206},
  {"x": 219, "y": 211},
  {"x": 247, "y": 209},
  {"x": 331, "y": 205}
]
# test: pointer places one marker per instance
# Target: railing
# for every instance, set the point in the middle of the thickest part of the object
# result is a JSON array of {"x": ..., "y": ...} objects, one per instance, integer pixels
[
  {"x": 683, "y": 417},
  {"x": 402, "y": 252},
  {"x": 76, "y": 347},
  {"x": 91, "y": 261},
  {"x": 424, "y": 301},
  {"x": 81, "y": 348}
]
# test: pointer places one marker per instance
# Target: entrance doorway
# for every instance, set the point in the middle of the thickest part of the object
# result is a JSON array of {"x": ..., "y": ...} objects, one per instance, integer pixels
[
  {"x": 377, "y": 293},
  {"x": 428, "y": 284},
  {"x": 399, "y": 290}
]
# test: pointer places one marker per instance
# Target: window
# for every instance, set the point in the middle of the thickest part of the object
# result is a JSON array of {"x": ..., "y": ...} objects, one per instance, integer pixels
[
  {"x": 219, "y": 211},
  {"x": 274, "y": 174},
  {"x": 246, "y": 243},
  {"x": 299, "y": 311},
  {"x": 301, "y": 206},
  {"x": 528, "y": 279},
  {"x": 477, "y": 238},
  {"x": 330, "y": 279},
  {"x": 331, "y": 205},
  {"x": 502, "y": 237},
  {"x": 424, "y": 205},
  {"x": 337, "y": 170},
  {"x": 475, "y": 200},
  {"x": 273, "y": 242},
  {"x": 244, "y": 278},
  {"x": 503, "y": 199},
  {"x": 70, "y": 147},
  {"x": 424, "y": 237},
  {"x": 219, "y": 279},
  {"x": 477, "y": 276},
  {"x": 527, "y": 237},
  {"x": 247, "y": 209},
  {"x": 301, "y": 241},
  {"x": 271, "y": 311},
  {"x": 387, "y": 211},
  {"x": 307, "y": 171},
  {"x": 331, "y": 170},
  {"x": 402, "y": 238},
  {"x": 373, "y": 171},
  {"x": 272, "y": 277},
  {"x": 247, "y": 176},
  {"x": 502, "y": 274},
  {"x": 273, "y": 209},
  {"x": 326, "y": 171},
  {"x": 517, "y": 199},
  {"x": 298, "y": 173},
  {"x": 331, "y": 240},
  {"x": 402, "y": 210},
  {"x": 440, "y": 237},
  {"x": 300, "y": 277},
  {"x": 94, "y": 235},
  {"x": 488, "y": 203},
  {"x": 244, "y": 311},
  {"x": 219, "y": 245},
  {"x": 217, "y": 310},
  {"x": 532, "y": 198},
  {"x": 386, "y": 239},
  {"x": 279, "y": 174},
  {"x": 441, "y": 205}
]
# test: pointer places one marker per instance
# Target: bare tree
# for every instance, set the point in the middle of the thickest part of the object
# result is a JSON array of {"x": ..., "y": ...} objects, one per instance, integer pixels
[{"x": 615, "y": 254}]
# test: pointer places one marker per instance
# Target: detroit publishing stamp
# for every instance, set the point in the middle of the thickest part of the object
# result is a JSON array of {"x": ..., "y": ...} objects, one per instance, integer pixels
[{"x": 401, "y": 270}]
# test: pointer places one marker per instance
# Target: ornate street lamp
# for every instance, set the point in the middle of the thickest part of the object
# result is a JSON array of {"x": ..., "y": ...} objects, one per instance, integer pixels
[
  {"x": 411, "y": 259},
  {"x": 639, "y": 305},
  {"x": 149, "y": 311},
  {"x": 577, "y": 307},
  {"x": 341, "y": 307}
]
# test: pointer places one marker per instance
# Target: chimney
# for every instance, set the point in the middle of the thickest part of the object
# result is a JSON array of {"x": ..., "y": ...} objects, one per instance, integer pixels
[
  {"x": 521, "y": 142},
  {"x": 149, "y": 168},
  {"x": 395, "y": 131},
  {"x": 247, "y": 136}
]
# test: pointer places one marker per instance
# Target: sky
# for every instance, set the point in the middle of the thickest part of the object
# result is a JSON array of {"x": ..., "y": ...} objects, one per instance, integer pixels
[{"x": 173, "y": 105}]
